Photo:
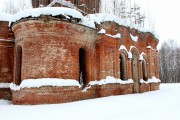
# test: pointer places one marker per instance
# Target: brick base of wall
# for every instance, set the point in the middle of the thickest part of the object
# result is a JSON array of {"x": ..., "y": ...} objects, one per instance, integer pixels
[
  {"x": 5, "y": 93},
  {"x": 48, "y": 95},
  {"x": 144, "y": 87},
  {"x": 155, "y": 86}
]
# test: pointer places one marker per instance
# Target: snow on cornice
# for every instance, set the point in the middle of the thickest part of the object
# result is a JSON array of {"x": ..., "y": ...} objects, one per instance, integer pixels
[
  {"x": 36, "y": 83},
  {"x": 54, "y": 11},
  {"x": 110, "y": 80},
  {"x": 4, "y": 85},
  {"x": 122, "y": 47},
  {"x": 151, "y": 80},
  {"x": 5, "y": 17},
  {"x": 118, "y": 35},
  {"x": 102, "y": 31},
  {"x": 141, "y": 56},
  {"x": 102, "y": 17},
  {"x": 150, "y": 47},
  {"x": 134, "y": 38}
]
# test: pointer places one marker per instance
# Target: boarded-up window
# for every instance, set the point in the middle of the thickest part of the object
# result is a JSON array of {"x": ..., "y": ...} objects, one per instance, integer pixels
[
  {"x": 122, "y": 66},
  {"x": 144, "y": 68},
  {"x": 18, "y": 65}
]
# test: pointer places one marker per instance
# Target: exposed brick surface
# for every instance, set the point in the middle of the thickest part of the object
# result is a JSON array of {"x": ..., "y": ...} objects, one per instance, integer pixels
[
  {"x": 6, "y": 58},
  {"x": 5, "y": 93},
  {"x": 155, "y": 86},
  {"x": 50, "y": 49},
  {"x": 145, "y": 87}
]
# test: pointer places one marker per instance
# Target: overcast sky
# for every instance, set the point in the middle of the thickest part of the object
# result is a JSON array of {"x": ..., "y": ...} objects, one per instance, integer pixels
[
  {"x": 165, "y": 14},
  {"x": 167, "y": 18}
]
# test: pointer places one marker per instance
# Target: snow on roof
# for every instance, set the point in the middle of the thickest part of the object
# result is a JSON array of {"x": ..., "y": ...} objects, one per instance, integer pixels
[
  {"x": 88, "y": 20},
  {"x": 5, "y": 17},
  {"x": 36, "y": 83},
  {"x": 102, "y": 17},
  {"x": 54, "y": 11},
  {"x": 102, "y": 31},
  {"x": 134, "y": 38}
]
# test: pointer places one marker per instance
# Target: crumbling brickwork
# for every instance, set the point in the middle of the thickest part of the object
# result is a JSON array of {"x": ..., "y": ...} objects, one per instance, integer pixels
[
  {"x": 6, "y": 59},
  {"x": 46, "y": 47}
]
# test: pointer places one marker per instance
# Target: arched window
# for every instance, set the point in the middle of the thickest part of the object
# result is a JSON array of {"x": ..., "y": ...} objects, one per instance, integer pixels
[
  {"x": 18, "y": 65},
  {"x": 122, "y": 66},
  {"x": 82, "y": 66},
  {"x": 144, "y": 69}
]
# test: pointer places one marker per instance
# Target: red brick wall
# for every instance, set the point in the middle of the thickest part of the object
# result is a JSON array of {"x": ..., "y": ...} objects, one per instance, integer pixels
[
  {"x": 144, "y": 87},
  {"x": 53, "y": 50},
  {"x": 155, "y": 86},
  {"x": 6, "y": 59},
  {"x": 50, "y": 49},
  {"x": 5, "y": 93}
]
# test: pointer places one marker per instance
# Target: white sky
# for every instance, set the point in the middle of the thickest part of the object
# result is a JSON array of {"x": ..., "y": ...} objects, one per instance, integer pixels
[
  {"x": 165, "y": 13},
  {"x": 167, "y": 18}
]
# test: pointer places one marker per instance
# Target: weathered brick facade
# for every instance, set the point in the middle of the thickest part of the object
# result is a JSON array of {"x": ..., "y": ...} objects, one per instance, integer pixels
[
  {"x": 6, "y": 59},
  {"x": 54, "y": 47}
]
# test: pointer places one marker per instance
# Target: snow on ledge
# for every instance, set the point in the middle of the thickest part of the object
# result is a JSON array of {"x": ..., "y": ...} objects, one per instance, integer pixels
[
  {"x": 4, "y": 85},
  {"x": 54, "y": 11},
  {"x": 149, "y": 47},
  {"x": 36, "y": 83},
  {"x": 102, "y": 31},
  {"x": 153, "y": 80},
  {"x": 110, "y": 80},
  {"x": 5, "y": 17},
  {"x": 102, "y": 17},
  {"x": 122, "y": 47},
  {"x": 141, "y": 56},
  {"x": 118, "y": 35},
  {"x": 134, "y": 38}
]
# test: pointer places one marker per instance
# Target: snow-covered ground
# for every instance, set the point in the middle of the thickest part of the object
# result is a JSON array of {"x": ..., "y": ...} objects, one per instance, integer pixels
[{"x": 157, "y": 105}]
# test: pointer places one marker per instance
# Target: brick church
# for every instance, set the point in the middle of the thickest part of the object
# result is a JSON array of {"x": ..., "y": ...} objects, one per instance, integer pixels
[{"x": 56, "y": 56}]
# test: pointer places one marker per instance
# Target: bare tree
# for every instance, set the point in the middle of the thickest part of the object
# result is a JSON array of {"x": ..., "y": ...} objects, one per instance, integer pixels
[
  {"x": 169, "y": 65},
  {"x": 12, "y": 6}
]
